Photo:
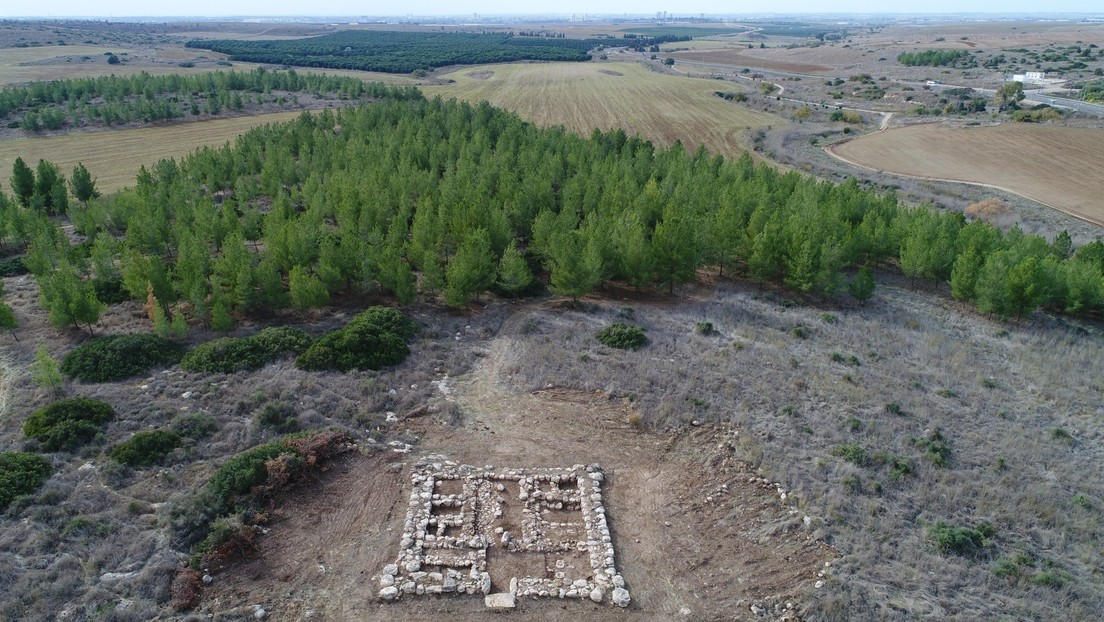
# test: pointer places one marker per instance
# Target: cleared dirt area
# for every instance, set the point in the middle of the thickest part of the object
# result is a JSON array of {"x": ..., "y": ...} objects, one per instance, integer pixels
[
  {"x": 1056, "y": 166},
  {"x": 582, "y": 96},
  {"x": 694, "y": 536}
]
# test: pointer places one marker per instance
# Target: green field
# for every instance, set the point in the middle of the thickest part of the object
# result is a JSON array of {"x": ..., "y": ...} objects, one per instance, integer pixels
[
  {"x": 582, "y": 96},
  {"x": 114, "y": 157}
]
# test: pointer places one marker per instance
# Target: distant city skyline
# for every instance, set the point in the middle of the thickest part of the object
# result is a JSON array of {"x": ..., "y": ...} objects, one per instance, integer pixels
[{"x": 346, "y": 8}]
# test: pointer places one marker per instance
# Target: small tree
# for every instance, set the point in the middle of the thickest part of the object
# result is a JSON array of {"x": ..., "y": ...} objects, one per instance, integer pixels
[
  {"x": 44, "y": 370},
  {"x": 669, "y": 61},
  {"x": 513, "y": 271},
  {"x": 861, "y": 287},
  {"x": 471, "y": 271},
  {"x": 82, "y": 184},
  {"x": 22, "y": 182},
  {"x": 1009, "y": 96}
]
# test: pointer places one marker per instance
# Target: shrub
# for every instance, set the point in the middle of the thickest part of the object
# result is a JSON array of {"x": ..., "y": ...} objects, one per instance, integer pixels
[
  {"x": 966, "y": 541},
  {"x": 195, "y": 425},
  {"x": 12, "y": 266},
  {"x": 374, "y": 339},
  {"x": 225, "y": 355},
  {"x": 623, "y": 336},
  {"x": 938, "y": 452},
  {"x": 277, "y": 340},
  {"x": 146, "y": 448},
  {"x": 279, "y": 416},
  {"x": 185, "y": 589},
  {"x": 852, "y": 453},
  {"x": 21, "y": 473},
  {"x": 119, "y": 356},
  {"x": 704, "y": 328},
  {"x": 68, "y": 424},
  {"x": 231, "y": 354},
  {"x": 893, "y": 408}
]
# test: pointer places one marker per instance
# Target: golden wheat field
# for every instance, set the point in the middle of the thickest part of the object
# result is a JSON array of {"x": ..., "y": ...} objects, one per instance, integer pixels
[
  {"x": 114, "y": 157},
  {"x": 582, "y": 96},
  {"x": 1056, "y": 166}
]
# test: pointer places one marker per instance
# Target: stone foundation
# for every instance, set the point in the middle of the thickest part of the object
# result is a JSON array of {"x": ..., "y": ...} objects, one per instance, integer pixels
[{"x": 541, "y": 532}]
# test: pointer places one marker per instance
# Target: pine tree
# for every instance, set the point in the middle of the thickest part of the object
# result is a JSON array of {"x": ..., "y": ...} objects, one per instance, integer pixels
[
  {"x": 576, "y": 266},
  {"x": 307, "y": 291},
  {"x": 44, "y": 370},
  {"x": 514, "y": 275},
  {"x": 7, "y": 319},
  {"x": 82, "y": 184},
  {"x": 471, "y": 271},
  {"x": 22, "y": 182},
  {"x": 861, "y": 287}
]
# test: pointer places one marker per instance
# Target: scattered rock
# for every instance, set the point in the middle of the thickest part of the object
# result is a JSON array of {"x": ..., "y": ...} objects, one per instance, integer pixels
[
  {"x": 208, "y": 579},
  {"x": 759, "y": 611},
  {"x": 597, "y": 594},
  {"x": 621, "y": 597}
]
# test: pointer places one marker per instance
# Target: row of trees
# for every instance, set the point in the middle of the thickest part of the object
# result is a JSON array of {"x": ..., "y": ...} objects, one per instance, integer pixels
[
  {"x": 432, "y": 198},
  {"x": 401, "y": 52},
  {"x": 935, "y": 58},
  {"x": 121, "y": 99}
]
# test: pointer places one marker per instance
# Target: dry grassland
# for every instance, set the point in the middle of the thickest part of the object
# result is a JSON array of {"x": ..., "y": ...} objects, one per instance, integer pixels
[
  {"x": 1056, "y": 166},
  {"x": 661, "y": 108},
  {"x": 114, "y": 157},
  {"x": 22, "y": 65},
  {"x": 739, "y": 57}
]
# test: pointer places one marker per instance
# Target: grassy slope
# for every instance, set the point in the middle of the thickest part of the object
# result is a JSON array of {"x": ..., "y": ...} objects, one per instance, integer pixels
[
  {"x": 114, "y": 157},
  {"x": 580, "y": 96},
  {"x": 1057, "y": 166}
]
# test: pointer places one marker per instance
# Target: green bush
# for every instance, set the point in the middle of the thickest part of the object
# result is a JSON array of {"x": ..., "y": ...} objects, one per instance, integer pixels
[
  {"x": 853, "y": 453},
  {"x": 389, "y": 319},
  {"x": 937, "y": 450},
  {"x": 278, "y": 340},
  {"x": 12, "y": 266},
  {"x": 146, "y": 448},
  {"x": 21, "y": 473},
  {"x": 244, "y": 471},
  {"x": 374, "y": 339},
  {"x": 195, "y": 426},
  {"x": 232, "y": 354},
  {"x": 279, "y": 416},
  {"x": 966, "y": 541},
  {"x": 623, "y": 336},
  {"x": 119, "y": 356},
  {"x": 225, "y": 355},
  {"x": 68, "y": 424}
]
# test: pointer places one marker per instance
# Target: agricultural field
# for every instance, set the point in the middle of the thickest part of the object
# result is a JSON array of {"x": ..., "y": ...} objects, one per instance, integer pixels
[
  {"x": 114, "y": 157},
  {"x": 1056, "y": 166},
  {"x": 661, "y": 108}
]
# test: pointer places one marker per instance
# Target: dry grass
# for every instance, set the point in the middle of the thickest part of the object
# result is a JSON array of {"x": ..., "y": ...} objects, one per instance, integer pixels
[
  {"x": 114, "y": 157},
  {"x": 1056, "y": 166},
  {"x": 581, "y": 96},
  {"x": 997, "y": 393},
  {"x": 22, "y": 65}
]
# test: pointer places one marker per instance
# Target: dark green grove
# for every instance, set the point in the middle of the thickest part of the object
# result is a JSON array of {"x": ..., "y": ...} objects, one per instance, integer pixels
[{"x": 440, "y": 199}]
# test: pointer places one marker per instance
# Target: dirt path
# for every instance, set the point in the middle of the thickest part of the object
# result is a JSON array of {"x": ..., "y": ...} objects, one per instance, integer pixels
[{"x": 699, "y": 536}]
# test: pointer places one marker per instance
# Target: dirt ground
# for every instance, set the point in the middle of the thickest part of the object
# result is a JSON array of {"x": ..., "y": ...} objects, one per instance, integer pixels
[{"x": 700, "y": 536}]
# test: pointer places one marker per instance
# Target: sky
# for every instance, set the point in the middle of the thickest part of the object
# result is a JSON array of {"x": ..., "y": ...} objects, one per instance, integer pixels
[{"x": 212, "y": 8}]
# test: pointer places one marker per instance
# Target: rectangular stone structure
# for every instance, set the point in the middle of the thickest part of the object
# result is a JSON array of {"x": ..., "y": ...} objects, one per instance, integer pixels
[{"x": 537, "y": 532}]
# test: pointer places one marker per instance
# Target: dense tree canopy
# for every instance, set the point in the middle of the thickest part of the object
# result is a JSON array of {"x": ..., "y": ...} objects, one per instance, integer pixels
[
  {"x": 401, "y": 52},
  {"x": 408, "y": 197}
]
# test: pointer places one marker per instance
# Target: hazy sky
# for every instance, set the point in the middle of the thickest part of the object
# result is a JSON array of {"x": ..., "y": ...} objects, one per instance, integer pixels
[{"x": 120, "y": 8}]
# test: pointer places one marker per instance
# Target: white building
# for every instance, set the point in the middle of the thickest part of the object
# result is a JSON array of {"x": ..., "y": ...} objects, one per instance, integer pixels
[{"x": 1031, "y": 77}]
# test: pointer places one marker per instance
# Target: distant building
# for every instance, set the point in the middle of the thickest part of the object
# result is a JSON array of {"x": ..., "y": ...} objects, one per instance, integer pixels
[{"x": 1031, "y": 77}]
